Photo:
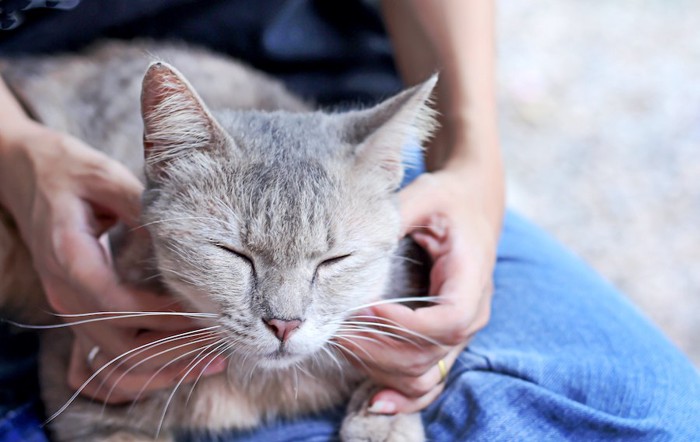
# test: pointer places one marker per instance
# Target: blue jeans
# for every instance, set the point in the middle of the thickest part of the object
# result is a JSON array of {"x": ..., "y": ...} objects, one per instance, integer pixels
[{"x": 565, "y": 356}]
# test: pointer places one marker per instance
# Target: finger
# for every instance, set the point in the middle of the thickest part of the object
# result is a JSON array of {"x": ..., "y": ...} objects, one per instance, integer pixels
[
  {"x": 459, "y": 287},
  {"x": 421, "y": 393},
  {"x": 444, "y": 323},
  {"x": 169, "y": 353},
  {"x": 409, "y": 386},
  {"x": 84, "y": 262},
  {"x": 115, "y": 188},
  {"x": 392, "y": 402},
  {"x": 123, "y": 385},
  {"x": 417, "y": 202},
  {"x": 392, "y": 358},
  {"x": 149, "y": 352}
]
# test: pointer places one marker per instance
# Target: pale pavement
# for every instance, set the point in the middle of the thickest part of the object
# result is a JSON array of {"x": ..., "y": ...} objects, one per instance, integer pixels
[{"x": 600, "y": 125}]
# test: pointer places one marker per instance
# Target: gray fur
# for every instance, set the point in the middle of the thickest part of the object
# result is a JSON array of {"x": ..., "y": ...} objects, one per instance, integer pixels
[{"x": 233, "y": 161}]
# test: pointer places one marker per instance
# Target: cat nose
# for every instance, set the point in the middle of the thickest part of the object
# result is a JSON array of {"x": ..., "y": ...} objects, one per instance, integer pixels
[{"x": 283, "y": 329}]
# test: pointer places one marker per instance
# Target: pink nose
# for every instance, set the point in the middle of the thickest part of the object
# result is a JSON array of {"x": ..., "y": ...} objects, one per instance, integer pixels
[{"x": 281, "y": 328}]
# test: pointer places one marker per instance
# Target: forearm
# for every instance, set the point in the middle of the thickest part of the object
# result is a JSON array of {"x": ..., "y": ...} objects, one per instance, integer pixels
[{"x": 456, "y": 37}]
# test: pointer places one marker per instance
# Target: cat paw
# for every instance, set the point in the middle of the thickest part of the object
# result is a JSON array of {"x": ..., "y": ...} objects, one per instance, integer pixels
[
  {"x": 131, "y": 437},
  {"x": 360, "y": 425},
  {"x": 366, "y": 427}
]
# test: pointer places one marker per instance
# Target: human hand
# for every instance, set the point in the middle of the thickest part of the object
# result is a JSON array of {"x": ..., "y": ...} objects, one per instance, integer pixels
[
  {"x": 443, "y": 212},
  {"x": 63, "y": 196}
]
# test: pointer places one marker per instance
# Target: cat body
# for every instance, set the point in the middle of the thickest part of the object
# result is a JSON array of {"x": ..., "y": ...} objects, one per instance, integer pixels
[{"x": 261, "y": 211}]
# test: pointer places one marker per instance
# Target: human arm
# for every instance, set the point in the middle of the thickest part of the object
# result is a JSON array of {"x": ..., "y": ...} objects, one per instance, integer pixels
[
  {"x": 460, "y": 201},
  {"x": 63, "y": 195}
]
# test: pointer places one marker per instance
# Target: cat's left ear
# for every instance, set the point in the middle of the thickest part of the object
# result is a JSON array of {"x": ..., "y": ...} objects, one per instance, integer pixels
[
  {"x": 176, "y": 121},
  {"x": 383, "y": 132}
]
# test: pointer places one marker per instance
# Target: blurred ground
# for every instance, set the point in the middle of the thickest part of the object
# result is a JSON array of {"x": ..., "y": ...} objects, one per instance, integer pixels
[{"x": 601, "y": 130}]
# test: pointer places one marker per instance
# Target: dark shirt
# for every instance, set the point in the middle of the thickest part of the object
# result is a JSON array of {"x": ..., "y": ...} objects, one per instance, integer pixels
[{"x": 329, "y": 51}]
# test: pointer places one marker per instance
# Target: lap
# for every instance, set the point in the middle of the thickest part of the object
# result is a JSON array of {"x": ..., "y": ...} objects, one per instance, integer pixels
[{"x": 564, "y": 357}]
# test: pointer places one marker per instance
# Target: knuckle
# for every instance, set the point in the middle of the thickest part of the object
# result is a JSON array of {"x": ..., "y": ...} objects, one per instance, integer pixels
[
  {"x": 457, "y": 336},
  {"x": 419, "y": 386},
  {"x": 56, "y": 302},
  {"x": 480, "y": 321},
  {"x": 418, "y": 367}
]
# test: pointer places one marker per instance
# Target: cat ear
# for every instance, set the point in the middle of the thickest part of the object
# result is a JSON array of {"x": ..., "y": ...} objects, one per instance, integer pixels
[
  {"x": 175, "y": 119},
  {"x": 381, "y": 133}
]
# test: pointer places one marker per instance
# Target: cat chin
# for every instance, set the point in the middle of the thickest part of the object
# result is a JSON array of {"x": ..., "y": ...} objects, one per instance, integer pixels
[{"x": 279, "y": 362}]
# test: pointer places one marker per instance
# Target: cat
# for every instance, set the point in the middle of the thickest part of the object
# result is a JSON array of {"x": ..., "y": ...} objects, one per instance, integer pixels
[{"x": 273, "y": 220}]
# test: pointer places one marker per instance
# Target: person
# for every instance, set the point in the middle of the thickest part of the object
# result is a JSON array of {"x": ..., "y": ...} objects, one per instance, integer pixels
[{"x": 563, "y": 354}]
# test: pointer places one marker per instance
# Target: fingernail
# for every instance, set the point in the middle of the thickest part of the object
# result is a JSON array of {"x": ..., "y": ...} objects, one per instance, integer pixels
[{"x": 382, "y": 407}]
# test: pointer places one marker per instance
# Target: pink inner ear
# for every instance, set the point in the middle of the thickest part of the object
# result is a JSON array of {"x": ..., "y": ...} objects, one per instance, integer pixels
[
  {"x": 162, "y": 83},
  {"x": 175, "y": 119}
]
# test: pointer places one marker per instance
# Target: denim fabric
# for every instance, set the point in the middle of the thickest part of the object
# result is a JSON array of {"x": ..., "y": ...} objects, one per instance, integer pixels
[{"x": 564, "y": 357}]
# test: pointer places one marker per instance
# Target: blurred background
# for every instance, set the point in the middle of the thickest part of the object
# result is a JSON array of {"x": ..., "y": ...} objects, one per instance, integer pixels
[{"x": 600, "y": 126}]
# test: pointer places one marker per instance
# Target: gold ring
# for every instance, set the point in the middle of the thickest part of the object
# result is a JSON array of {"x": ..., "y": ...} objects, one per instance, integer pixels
[{"x": 443, "y": 370}]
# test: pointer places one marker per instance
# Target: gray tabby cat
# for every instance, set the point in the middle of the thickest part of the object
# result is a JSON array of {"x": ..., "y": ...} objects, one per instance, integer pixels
[{"x": 274, "y": 221}]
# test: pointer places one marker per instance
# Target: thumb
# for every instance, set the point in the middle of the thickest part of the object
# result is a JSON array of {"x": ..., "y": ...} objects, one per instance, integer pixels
[
  {"x": 119, "y": 193},
  {"x": 418, "y": 202}
]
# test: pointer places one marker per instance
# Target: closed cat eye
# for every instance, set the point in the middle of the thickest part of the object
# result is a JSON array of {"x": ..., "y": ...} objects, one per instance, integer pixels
[
  {"x": 237, "y": 253},
  {"x": 334, "y": 260}
]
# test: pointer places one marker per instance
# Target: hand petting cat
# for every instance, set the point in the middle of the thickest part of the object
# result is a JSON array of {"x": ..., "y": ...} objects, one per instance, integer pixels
[
  {"x": 441, "y": 211},
  {"x": 64, "y": 196},
  {"x": 456, "y": 211}
]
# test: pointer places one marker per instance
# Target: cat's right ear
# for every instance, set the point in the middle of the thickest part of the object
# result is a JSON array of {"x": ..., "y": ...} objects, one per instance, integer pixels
[
  {"x": 175, "y": 119},
  {"x": 381, "y": 133}
]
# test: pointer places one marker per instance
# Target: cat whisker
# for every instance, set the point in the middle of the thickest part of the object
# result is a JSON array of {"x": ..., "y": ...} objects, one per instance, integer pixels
[
  {"x": 123, "y": 361},
  {"x": 172, "y": 313},
  {"x": 333, "y": 357},
  {"x": 119, "y": 379},
  {"x": 347, "y": 351},
  {"x": 369, "y": 330},
  {"x": 182, "y": 379},
  {"x": 296, "y": 380},
  {"x": 168, "y": 364},
  {"x": 391, "y": 326},
  {"x": 304, "y": 370},
  {"x": 176, "y": 273},
  {"x": 355, "y": 330},
  {"x": 407, "y": 259},
  {"x": 355, "y": 336},
  {"x": 121, "y": 315},
  {"x": 428, "y": 299},
  {"x": 359, "y": 347},
  {"x": 204, "y": 369},
  {"x": 252, "y": 370},
  {"x": 101, "y": 369}
]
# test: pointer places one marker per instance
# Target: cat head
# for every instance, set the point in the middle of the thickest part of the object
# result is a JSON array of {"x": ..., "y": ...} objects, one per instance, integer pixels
[{"x": 283, "y": 224}]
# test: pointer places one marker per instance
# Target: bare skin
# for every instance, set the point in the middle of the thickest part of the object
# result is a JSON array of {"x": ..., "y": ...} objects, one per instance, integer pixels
[
  {"x": 65, "y": 195},
  {"x": 455, "y": 211}
]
